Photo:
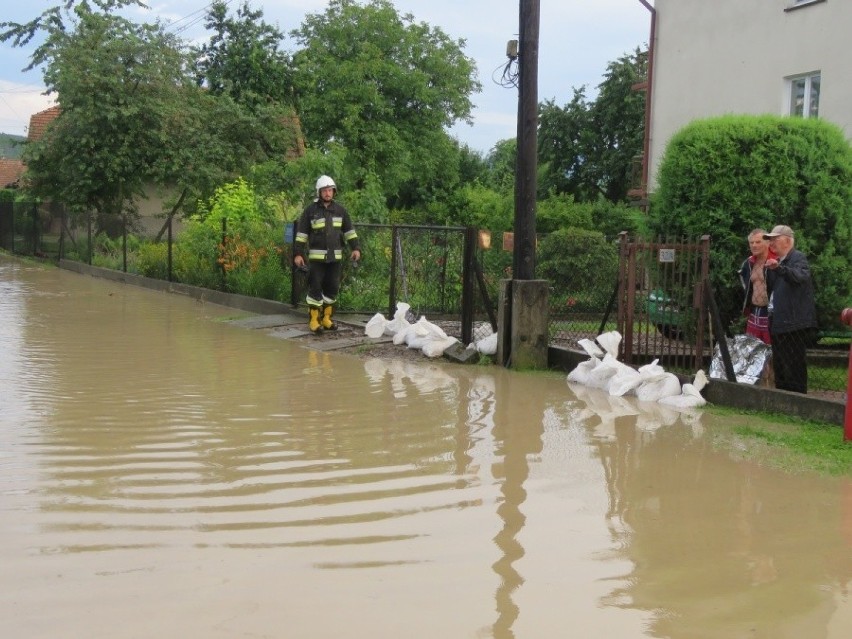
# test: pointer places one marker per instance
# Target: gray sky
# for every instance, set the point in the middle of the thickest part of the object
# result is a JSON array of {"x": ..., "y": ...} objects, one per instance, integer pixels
[{"x": 577, "y": 39}]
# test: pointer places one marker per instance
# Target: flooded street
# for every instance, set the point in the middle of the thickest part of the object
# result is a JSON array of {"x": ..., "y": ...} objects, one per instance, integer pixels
[{"x": 165, "y": 473}]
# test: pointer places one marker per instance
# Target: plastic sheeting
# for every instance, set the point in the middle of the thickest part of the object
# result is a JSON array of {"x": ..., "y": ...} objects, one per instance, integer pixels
[{"x": 749, "y": 357}]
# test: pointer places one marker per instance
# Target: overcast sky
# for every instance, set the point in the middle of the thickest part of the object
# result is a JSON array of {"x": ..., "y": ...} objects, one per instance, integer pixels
[{"x": 577, "y": 39}]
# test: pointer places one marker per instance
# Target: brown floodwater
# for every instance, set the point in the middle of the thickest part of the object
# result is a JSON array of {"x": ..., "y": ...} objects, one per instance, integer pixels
[{"x": 165, "y": 473}]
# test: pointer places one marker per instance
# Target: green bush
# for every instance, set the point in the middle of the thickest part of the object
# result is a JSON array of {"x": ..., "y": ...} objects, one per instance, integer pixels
[
  {"x": 725, "y": 176},
  {"x": 581, "y": 265}
]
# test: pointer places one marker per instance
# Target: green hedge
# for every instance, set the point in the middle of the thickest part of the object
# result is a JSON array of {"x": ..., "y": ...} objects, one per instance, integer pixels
[{"x": 725, "y": 176}]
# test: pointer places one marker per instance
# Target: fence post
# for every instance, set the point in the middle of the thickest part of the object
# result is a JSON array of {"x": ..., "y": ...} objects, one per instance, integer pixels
[
  {"x": 36, "y": 243},
  {"x": 222, "y": 254},
  {"x": 124, "y": 241},
  {"x": 392, "y": 283},
  {"x": 471, "y": 236},
  {"x": 89, "y": 237},
  {"x": 719, "y": 330},
  {"x": 846, "y": 318},
  {"x": 703, "y": 279},
  {"x": 169, "y": 250}
]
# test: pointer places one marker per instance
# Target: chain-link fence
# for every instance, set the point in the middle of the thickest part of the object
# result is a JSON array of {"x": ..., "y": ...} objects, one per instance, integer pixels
[{"x": 29, "y": 228}]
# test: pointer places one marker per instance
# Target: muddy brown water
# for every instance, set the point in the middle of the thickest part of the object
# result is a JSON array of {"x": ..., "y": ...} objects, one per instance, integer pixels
[{"x": 165, "y": 473}]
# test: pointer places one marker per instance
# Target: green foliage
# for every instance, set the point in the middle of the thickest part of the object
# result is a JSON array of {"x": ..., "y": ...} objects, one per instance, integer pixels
[
  {"x": 385, "y": 88},
  {"x": 586, "y": 148},
  {"x": 97, "y": 154},
  {"x": 483, "y": 208},
  {"x": 52, "y": 20},
  {"x": 501, "y": 165},
  {"x": 788, "y": 443},
  {"x": 242, "y": 59},
  {"x": 11, "y": 145},
  {"x": 243, "y": 255},
  {"x": 152, "y": 260},
  {"x": 560, "y": 212},
  {"x": 725, "y": 176},
  {"x": 238, "y": 204},
  {"x": 580, "y": 264}
]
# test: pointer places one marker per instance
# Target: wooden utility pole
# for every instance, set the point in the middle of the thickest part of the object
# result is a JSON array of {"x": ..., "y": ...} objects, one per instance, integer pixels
[
  {"x": 523, "y": 256},
  {"x": 523, "y": 330}
]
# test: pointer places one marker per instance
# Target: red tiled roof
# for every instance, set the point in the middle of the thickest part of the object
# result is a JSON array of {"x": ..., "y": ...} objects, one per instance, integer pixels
[
  {"x": 40, "y": 120},
  {"x": 10, "y": 172}
]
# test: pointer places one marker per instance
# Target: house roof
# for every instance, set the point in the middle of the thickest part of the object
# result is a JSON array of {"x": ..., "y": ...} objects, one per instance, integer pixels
[
  {"x": 39, "y": 122},
  {"x": 10, "y": 172}
]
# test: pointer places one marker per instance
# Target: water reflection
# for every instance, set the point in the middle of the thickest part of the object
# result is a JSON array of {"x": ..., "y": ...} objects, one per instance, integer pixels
[
  {"x": 150, "y": 448},
  {"x": 719, "y": 546}
]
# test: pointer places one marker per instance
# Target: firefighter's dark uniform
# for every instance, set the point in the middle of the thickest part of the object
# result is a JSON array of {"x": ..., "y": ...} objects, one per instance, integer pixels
[{"x": 320, "y": 235}]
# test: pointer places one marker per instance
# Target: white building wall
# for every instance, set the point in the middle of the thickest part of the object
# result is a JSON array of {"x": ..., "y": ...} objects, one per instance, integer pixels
[{"x": 716, "y": 57}]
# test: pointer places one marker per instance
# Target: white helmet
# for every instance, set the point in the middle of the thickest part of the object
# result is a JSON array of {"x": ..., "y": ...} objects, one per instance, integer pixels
[{"x": 323, "y": 182}]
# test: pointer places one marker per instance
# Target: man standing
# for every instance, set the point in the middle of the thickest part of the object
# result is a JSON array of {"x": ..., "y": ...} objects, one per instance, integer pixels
[
  {"x": 323, "y": 228},
  {"x": 791, "y": 310},
  {"x": 753, "y": 279}
]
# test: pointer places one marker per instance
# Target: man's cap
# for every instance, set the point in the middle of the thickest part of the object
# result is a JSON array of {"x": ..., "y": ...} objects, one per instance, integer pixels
[{"x": 778, "y": 231}]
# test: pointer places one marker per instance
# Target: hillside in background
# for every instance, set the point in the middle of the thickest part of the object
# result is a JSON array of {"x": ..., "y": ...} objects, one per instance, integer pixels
[{"x": 10, "y": 146}]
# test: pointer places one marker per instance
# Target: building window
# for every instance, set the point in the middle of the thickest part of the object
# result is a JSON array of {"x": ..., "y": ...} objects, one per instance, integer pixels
[{"x": 804, "y": 95}]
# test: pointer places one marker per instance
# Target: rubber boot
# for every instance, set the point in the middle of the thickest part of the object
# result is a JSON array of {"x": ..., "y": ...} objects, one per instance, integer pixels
[
  {"x": 314, "y": 320},
  {"x": 327, "y": 323}
]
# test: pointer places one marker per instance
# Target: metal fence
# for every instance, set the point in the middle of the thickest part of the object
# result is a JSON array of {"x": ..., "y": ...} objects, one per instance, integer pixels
[{"x": 27, "y": 228}]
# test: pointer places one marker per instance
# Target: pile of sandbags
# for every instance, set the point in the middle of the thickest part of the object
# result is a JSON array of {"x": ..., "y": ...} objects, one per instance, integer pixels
[
  {"x": 649, "y": 383},
  {"x": 423, "y": 335}
]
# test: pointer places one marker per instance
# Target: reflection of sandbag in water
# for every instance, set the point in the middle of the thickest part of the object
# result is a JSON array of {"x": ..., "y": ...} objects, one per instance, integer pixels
[{"x": 750, "y": 357}]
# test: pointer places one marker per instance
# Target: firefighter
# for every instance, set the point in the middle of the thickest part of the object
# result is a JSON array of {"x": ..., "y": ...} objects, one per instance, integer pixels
[{"x": 323, "y": 228}]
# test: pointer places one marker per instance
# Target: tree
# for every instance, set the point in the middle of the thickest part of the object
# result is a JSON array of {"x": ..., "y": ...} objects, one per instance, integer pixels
[
  {"x": 726, "y": 176},
  {"x": 116, "y": 82},
  {"x": 131, "y": 116},
  {"x": 242, "y": 58},
  {"x": 587, "y": 148},
  {"x": 386, "y": 88},
  {"x": 52, "y": 20}
]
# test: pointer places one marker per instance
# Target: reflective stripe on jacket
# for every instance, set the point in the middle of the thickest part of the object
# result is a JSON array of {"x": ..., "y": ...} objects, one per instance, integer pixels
[{"x": 321, "y": 232}]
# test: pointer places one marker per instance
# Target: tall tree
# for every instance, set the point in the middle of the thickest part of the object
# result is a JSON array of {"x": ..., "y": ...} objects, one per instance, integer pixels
[
  {"x": 132, "y": 117},
  {"x": 243, "y": 58},
  {"x": 116, "y": 82},
  {"x": 386, "y": 88},
  {"x": 586, "y": 148}
]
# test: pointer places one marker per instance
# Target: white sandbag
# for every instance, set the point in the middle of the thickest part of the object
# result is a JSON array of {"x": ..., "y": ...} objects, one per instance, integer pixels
[
  {"x": 654, "y": 389},
  {"x": 435, "y": 347},
  {"x": 609, "y": 341},
  {"x": 603, "y": 372},
  {"x": 396, "y": 325},
  {"x": 375, "y": 328},
  {"x": 651, "y": 370},
  {"x": 400, "y": 319},
  {"x": 432, "y": 329},
  {"x": 413, "y": 340},
  {"x": 700, "y": 380},
  {"x": 689, "y": 398},
  {"x": 625, "y": 381},
  {"x": 580, "y": 373},
  {"x": 487, "y": 345},
  {"x": 690, "y": 395},
  {"x": 592, "y": 349},
  {"x": 401, "y": 336}
]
